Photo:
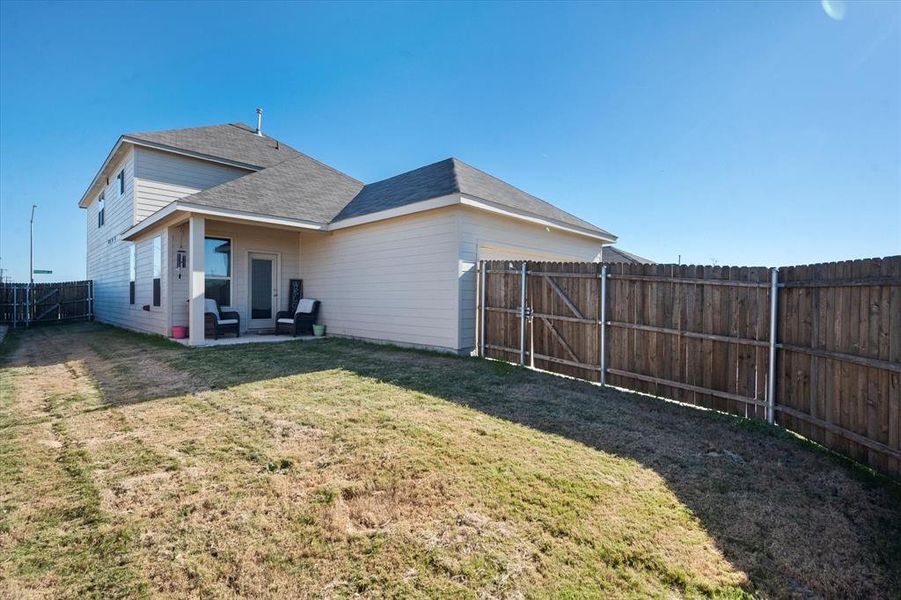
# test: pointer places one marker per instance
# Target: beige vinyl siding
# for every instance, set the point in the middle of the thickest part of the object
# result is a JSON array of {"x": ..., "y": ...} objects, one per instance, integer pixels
[
  {"x": 178, "y": 280},
  {"x": 155, "y": 319},
  {"x": 245, "y": 239},
  {"x": 108, "y": 259},
  {"x": 485, "y": 236},
  {"x": 393, "y": 280},
  {"x": 161, "y": 177}
]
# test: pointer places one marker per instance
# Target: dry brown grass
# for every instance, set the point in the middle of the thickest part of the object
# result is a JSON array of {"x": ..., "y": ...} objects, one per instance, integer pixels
[{"x": 135, "y": 467}]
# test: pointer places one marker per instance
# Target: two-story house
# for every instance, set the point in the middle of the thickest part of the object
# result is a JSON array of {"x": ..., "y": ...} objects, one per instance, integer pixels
[{"x": 225, "y": 212}]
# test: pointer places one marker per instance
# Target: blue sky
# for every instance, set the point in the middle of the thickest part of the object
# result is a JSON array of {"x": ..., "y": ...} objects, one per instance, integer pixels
[{"x": 741, "y": 133}]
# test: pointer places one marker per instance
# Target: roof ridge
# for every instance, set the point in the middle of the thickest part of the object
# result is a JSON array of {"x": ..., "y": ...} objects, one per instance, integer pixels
[
  {"x": 505, "y": 182},
  {"x": 453, "y": 160}
]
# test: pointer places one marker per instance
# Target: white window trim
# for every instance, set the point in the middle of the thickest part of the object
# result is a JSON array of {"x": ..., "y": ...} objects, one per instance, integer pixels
[{"x": 276, "y": 303}]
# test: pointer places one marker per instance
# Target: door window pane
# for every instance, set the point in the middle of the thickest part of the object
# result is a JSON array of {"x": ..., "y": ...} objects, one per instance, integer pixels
[{"x": 260, "y": 288}]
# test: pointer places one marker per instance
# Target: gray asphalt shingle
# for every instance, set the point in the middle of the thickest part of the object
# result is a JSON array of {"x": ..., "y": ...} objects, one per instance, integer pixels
[
  {"x": 299, "y": 188},
  {"x": 609, "y": 254},
  {"x": 235, "y": 142},
  {"x": 451, "y": 176},
  {"x": 291, "y": 184}
]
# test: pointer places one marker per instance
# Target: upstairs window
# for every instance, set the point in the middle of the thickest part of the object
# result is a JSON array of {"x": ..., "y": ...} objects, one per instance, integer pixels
[
  {"x": 101, "y": 210},
  {"x": 217, "y": 266},
  {"x": 157, "y": 269},
  {"x": 121, "y": 178},
  {"x": 131, "y": 274}
]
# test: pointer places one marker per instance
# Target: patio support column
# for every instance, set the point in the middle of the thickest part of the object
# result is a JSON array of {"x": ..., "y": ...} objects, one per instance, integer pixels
[{"x": 196, "y": 227}]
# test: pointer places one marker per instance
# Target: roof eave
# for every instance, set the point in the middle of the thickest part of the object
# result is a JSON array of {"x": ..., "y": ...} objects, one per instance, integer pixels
[
  {"x": 473, "y": 202},
  {"x": 174, "y": 210},
  {"x": 199, "y": 155},
  {"x": 127, "y": 139},
  {"x": 487, "y": 205},
  {"x": 87, "y": 196}
]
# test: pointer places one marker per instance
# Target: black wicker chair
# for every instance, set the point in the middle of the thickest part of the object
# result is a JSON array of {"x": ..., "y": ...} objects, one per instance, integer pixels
[
  {"x": 299, "y": 323},
  {"x": 217, "y": 322}
]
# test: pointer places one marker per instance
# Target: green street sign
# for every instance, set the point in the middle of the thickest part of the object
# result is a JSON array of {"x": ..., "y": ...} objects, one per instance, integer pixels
[{"x": 42, "y": 271}]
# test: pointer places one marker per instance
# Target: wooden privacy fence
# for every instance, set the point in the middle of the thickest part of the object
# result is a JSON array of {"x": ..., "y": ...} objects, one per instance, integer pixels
[
  {"x": 826, "y": 363},
  {"x": 22, "y": 303}
]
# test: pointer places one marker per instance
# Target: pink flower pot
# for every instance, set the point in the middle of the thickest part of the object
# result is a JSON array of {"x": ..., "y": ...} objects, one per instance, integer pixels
[{"x": 179, "y": 332}]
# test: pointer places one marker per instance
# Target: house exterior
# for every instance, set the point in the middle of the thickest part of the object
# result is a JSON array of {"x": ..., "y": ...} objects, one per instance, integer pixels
[
  {"x": 611, "y": 254},
  {"x": 229, "y": 213}
]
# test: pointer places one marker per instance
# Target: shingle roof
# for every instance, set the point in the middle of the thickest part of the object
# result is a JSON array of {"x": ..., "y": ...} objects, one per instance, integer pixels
[
  {"x": 300, "y": 188},
  {"x": 235, "y": 142},
  {"x": 451, "y": 176},
  {"x": 609, "y": 254},
  {"x": 290, "y": 184}
]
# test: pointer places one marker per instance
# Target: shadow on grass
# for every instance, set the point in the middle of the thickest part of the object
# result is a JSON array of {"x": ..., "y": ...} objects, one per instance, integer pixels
[{"x": 796, "y": 519}]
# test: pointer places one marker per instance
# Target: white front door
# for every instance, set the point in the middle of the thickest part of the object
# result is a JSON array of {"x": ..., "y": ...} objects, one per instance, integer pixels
[{"x": 263, "y": 277}]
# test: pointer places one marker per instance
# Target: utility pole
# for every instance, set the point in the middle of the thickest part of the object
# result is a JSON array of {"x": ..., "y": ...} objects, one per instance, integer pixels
[{"x": 31, "y": 267}]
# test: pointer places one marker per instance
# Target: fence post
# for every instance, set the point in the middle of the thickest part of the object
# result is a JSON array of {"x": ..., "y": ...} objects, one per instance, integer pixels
[
  {"x": 483, "y": 278},
  {"x": 522, "y": 317},
  {"x": 774, "y": 316},
  {"x": 15, "y": 306},
  {"x": 91, "y": 300},
  {"x": 603, "y": 347}
]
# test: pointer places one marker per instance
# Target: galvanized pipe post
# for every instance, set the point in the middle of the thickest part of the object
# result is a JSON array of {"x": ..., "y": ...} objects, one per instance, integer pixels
[
  {"x": 774, "y": 316},
  {"x": 522, "y": 317},
  {"x": 482, "y": 295},
  {"x": 31, "y": 305},
  {"x": 603, "y": 347},
  {"x": 15, "y": 306}
]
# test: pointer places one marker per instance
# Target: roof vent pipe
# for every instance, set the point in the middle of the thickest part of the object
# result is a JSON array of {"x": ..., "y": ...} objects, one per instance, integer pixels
[{"x": 260, "y": 122}]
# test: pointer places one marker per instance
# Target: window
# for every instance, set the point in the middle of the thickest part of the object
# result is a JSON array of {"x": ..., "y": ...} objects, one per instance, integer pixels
[
  {"x": 101, "y": 212},
  {"x": 121, "y": 178},
  {"x": 131, "y": 274},
  {"x": 157, "y": 268},
  {"x": 217, "y": 266}
]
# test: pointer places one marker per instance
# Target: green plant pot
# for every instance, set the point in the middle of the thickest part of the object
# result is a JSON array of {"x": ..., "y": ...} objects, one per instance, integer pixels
[{"x": 319, "y": 330}]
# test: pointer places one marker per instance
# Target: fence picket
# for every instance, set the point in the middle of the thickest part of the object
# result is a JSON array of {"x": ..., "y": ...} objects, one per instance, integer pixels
[{"x": 700, "y": 335}]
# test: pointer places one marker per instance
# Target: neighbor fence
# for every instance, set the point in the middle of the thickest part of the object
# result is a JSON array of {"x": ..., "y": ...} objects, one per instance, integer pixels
[
  {"x": 814, "y": 348},
  {"x": 22, "y": 304}
]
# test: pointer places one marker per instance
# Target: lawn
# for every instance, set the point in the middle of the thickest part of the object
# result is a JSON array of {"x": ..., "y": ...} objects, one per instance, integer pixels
[{"x": 130, "y": 466}]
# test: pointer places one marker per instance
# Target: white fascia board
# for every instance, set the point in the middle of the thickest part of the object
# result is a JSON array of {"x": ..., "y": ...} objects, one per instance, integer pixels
[
  {"x": 523, "y": 216},
  {"x": 416, "y": 207},
  {"x": 478, "y": 203},
  {"x": 85, "y": 198},
  {"x": 124, "y": 139},
  {"x": 197, "y": 155},
  {"x": 253, "y": 217},
  {"x": 223, "y": 213},
  {"x": 400, "y": 211}
]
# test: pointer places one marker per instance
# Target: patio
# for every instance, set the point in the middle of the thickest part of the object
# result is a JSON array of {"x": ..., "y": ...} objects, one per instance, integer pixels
[{"x": 249, "y": 338}]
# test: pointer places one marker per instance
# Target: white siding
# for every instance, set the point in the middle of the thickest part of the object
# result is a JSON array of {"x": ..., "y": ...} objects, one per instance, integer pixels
[
  {"x": 108, "y": 259},
  {"x": 161, "y": 177},
  {"x": 245, "y": 239},
  {"x": 394, "y": 280},
  {"x": 493, "y": 237}
]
